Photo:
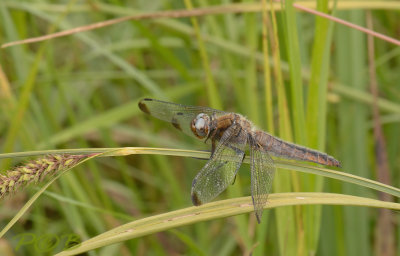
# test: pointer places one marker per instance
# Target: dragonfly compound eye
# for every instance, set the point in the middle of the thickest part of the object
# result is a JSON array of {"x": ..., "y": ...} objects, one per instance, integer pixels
[{"x": 200, "y": 125}]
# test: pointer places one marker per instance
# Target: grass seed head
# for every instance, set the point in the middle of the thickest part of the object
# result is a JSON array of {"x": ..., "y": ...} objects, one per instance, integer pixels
[{"x": 35, "y": 171}]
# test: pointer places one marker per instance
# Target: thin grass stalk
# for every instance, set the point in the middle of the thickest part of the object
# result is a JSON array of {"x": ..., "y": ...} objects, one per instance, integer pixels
[
  {"x": 106, "y": 136},
  {"x": 266, "y": 30},
  {"x": 212, "y": 92},
  {"x": 385, "y": 230},
  {"x": 121, "y": 164},
  {"x": 87, "y": 186},
  {"x": 165, "y": 53},
  {"x": 71, "y": 186},
  {"x": 22, "y": 107},
  {"x": 250, "y": 68},
  {"x": 8, "y": 99}
]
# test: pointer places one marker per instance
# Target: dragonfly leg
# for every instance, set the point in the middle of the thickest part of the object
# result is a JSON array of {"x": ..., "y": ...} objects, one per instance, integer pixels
[
  {"x": 212, "y": 148},
  {"x": 234, "y": 178}
]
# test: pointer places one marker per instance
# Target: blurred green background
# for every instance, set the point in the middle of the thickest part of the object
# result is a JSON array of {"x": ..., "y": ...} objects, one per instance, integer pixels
[{"x": 299, "y": 77}]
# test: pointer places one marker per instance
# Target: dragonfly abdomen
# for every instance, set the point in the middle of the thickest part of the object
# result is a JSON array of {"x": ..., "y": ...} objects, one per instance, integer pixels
[{"x": 280, "y": 148}]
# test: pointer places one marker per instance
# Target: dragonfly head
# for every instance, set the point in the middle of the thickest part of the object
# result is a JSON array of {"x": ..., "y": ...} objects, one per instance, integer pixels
[{"x": 200, "y": 126}]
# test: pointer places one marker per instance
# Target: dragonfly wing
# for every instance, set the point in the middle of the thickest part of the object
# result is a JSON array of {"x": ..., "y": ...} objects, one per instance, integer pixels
[
  {"x": 262, "y": 174},
  {"x": 222, "y": 167},
  {"x": 180, "y": 116}
]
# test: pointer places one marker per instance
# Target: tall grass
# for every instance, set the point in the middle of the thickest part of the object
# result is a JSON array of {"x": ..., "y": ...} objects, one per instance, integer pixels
[{"x": 304, "y": 79}]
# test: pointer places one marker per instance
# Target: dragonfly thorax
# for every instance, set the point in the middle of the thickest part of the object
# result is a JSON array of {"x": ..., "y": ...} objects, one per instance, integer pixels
[{"x": 200, "y": 125}]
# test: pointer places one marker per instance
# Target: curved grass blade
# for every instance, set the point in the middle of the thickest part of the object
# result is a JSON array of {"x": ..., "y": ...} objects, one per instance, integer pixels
[
  {"x": 216, "y": 210},
  {"x": 105, "y": 152}
]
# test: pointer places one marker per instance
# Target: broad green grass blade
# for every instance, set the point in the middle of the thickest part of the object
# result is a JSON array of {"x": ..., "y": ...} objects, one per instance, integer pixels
[
  {"x": 296, "y": 86},
  {"x": 289, "y": 235},
  {"x": 283, "y": 182},
  {"x": 317, "y": 104},
  {"x": 353, "y": 117}
]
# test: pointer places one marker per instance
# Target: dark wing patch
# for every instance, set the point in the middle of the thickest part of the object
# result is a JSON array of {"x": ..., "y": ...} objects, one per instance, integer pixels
[
  {"x": 176, "y": 124},
  {"x": 143, "y": 107},
  {"x": 195, "y": 200}
]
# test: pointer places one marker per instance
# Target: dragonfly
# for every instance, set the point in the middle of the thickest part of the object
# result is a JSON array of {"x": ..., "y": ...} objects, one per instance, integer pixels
[{"x": 230, "y": 135}]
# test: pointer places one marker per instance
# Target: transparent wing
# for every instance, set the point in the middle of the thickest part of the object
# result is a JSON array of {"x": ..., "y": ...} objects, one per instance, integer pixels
[
  {"x": 262, "y": 174},
  {"x": 222, "y": 167},
  {"x": 180, "y": 116}
]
